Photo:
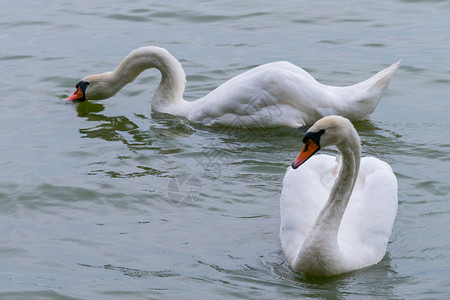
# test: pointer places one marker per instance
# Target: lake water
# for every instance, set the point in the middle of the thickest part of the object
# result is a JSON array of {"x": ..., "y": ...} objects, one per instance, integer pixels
[{"x": 108, "y": 200}]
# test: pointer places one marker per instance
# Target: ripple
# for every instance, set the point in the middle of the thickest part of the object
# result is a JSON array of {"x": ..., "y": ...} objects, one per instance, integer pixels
[
  {"x": 16, "y": 57},
  {"x": 68, "y": 168},
  {"x": 135, "y": 273},
  {"x": 123, "y": 17},
  {"x": 336, "y": 41},
  {"x": 146, "y": 172},
  {"x": 434, "y": 187},
  {"x": 26, "y": 23},
  {"x": 375, "y": 45}
]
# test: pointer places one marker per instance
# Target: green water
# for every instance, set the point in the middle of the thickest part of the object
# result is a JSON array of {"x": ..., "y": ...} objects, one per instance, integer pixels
[{"x": 108, "y": 200}]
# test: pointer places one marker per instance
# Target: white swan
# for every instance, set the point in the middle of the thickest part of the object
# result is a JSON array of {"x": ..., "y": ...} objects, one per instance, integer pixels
[
  {"x": 274, "y": 94},
  {"x": 328, "y": 229}
]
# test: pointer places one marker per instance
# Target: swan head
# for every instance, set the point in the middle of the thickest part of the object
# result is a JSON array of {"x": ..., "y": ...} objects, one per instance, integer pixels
[
  {"x": 92, "y": 87},
  {"x": 330, "y": 130}
]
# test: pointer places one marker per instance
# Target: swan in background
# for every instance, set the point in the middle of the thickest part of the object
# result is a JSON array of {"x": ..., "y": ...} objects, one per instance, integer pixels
[
  {"x": 271, "y": 95},
  {"x": 331, "y": 228}
]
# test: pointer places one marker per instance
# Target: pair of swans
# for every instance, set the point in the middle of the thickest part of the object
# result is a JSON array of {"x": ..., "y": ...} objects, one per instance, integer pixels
[
  {"x": 271, "y": 95},
  {"x": 319, "y": 235}
]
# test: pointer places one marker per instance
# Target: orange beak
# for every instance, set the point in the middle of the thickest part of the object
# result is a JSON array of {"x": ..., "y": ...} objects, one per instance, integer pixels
[
  {"x": 308, "y": 150},
  {"x": 76, "y": 96}
]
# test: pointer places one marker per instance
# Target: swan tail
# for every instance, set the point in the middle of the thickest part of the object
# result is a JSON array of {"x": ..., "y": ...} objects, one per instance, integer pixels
[
  {"x": 383, "y": 78},
  {"x": 379, "y": 81},
  {"x": 361, "y": 99}
]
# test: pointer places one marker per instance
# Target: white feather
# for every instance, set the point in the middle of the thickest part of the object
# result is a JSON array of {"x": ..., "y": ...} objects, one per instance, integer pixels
[
  {"x": 274, "y": 94},
  {"x": 365, "y": 227}
]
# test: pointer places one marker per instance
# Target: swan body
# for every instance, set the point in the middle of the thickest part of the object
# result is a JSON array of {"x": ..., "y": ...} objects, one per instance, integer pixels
[
  {"x": 270, "y": 95},
  {"x": 336, "y": 214}
]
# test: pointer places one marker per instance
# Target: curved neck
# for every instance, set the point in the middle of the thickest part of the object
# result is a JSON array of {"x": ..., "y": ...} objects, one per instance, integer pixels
[
  {"x": 173, "y": 78},
  {"x": 330, "y": 216},
  {"x": 326, "y": 226}
]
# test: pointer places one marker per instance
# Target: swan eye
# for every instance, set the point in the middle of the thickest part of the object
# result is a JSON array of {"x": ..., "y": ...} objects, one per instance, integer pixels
[
  {"x": 82, "y": 84},
  {"x": 314, "y": 136}
]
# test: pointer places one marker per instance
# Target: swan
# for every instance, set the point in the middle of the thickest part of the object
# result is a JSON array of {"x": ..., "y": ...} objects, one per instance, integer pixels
[
  {"x": 270, "y": 95},
  {"x": 351, "y": 229}
]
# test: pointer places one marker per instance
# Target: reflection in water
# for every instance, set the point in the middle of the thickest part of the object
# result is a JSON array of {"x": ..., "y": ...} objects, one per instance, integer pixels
[
  {"x": 273, "y": 271},
  {"x": 224, "y": 154},
  {"x": 135, "y": 273},
  {"x": 223, "y": 146},
  {"x": 235, "y": 139},
  {"x": 333, "y": 287},
  {"x": 57, "y": 189},
  {"x": 122, "y": 128},
  {"x": 145, "y": 139},
  {"x": 84, "y": 109}
]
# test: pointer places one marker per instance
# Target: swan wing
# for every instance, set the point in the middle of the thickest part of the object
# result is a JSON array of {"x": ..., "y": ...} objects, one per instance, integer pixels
[
  {"x": 368, "y": 220},
  {"x": 283, "y": 94},
  {"x": 274, "y": 94}
]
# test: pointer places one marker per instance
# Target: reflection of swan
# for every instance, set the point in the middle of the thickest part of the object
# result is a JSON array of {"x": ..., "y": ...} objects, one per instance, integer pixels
[
  {"x": 274, "y": 94},
  {"x": 351, "y": 229}
]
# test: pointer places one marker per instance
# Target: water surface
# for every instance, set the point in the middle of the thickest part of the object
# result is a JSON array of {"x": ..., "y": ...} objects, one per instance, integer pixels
[{"x": 108, "y": 200}]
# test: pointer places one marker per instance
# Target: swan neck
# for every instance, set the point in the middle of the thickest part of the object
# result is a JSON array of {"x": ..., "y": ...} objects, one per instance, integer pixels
[
  {"x": 331, "y": 215},
  {"x": 326, "y": 226},
  {"x": 321, "y": 247},
  {"x": 173, "y": 78}
]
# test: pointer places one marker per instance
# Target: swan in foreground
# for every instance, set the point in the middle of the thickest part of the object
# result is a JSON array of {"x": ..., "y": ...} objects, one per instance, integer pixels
[
  {"x": 271, "y": 95},
  {"x": 331, "y": 228}
]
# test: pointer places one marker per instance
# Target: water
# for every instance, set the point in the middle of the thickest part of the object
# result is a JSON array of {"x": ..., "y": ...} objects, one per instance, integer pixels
[{"x": 108, "y": 200}]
